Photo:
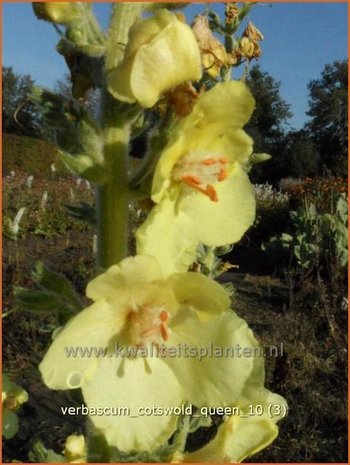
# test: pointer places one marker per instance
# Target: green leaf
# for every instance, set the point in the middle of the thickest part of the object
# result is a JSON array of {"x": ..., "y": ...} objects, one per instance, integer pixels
[
  {"x": 10, "y": 388},
  {"x": 10, "y": 423},
  {"x": 90, "y": 138},
  {"x": 57, "y": 284},
  {"x": 83, "y": 212},
  {"x": 36, "y": 301},
  {"x": 244, "y": 10},
  {"x": 259, "y": 158},
  {"x": 59, "y": 117},
  {"x": 39, "y": 454},
  {"x": 83, "y": 165},
  {"x": 229, "y": 288}
]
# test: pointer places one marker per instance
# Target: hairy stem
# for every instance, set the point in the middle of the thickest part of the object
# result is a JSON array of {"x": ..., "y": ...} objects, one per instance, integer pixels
[
  {"x": 123, "y": 17},
  {"x": 112, "y": 197}
]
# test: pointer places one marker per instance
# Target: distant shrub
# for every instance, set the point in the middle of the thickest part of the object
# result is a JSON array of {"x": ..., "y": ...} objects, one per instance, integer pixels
[
  {"x": 272, "y": 211},
  {"x": 45, "y": 202},
  {"x": 317, "y": 240},
  {"x": 267, "y": 196},
  {"x": 31, "y": 156},
  {"x": 322, "y": 191}
]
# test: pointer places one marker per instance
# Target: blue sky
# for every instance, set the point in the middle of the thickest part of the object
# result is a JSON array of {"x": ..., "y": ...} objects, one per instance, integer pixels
[{"x": 300, "y": 38}]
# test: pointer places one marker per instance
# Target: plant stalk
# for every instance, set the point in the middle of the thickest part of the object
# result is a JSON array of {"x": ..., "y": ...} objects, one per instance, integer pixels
[{"x": 112, "y": 197}]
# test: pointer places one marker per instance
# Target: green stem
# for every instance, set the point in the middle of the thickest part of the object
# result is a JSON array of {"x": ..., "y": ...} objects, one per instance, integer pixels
[
  {"x": 93, "y": 28},
  {"x": 123, "y": 17},
  {"x": 181, "y": 436},
  {"x": 157, "y": 142},
  {"x": 112, "y": 197}
]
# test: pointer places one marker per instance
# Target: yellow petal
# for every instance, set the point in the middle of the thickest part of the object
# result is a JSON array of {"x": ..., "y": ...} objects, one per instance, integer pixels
[
  {"x": 92, "y": 327},
  {"x": 169, "y": 236},
  {"x": 166, "y": 62},
  {"x": 220, "y": 375},
  {"x": 131, "y": 270},
  {"x": 200, "y": 293},
  {"x": 237, "y": 438},
  {"x": 162, "y": 183},
  {"x": 225, "y": 221},
  {"x": 244, "y": 434},
  {"x": 75, "y": 449},
  {"x": 235, "y": 145},
  {"x": 134, "y": 384},
  {"x": 163, "y": 54},
  {"x": 228, "y": 103}
]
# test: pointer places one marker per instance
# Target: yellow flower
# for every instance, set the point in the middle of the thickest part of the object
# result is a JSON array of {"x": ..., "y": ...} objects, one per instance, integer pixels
[
  {"x": 148, "y": 322},
  {"x": 244, "y": 434},
  {"x": 75, "y": 449},
  {"x": 162, "y": 52},
  {"x": 250, "y": 428},
  {"x": 200, "y": 185}
]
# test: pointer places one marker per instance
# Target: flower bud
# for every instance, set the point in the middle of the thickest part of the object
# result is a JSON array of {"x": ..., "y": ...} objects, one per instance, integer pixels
[
  {"x": 56, "y": 12},
  {"x": 13, "y": 395},
  {"x": 162, "y": 53},
  {"x": 231, "y": 12}
]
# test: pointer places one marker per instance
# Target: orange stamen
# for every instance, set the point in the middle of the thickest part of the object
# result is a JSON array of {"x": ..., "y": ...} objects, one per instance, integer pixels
[
  {"x": 208, "y": 161},
  {"x": 222, "y": 174},
  {"x": 223, "y": 161},
  {"x": 211, "y": 193},
  {"x": 191, "y": 180},
  {"x": 164, "y": 332},
  {"x": 163, "y": 316}
]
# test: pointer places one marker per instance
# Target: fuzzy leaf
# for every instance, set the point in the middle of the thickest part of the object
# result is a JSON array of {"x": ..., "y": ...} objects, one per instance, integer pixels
[
  {"x": 36, "y": 301},
  {"x": 56, "y": 283}
]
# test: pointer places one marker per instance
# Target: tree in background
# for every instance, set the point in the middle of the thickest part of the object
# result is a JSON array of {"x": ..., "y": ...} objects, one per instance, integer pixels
[
  {"x": 299, "y": 157},
  {"x": 18, "y": 114},
  {"x": 320, "y": 147},
  {"x": 91, "y": 98},
  {"x": 268, "y": 124},
  {"x": 328, "y": 117}
]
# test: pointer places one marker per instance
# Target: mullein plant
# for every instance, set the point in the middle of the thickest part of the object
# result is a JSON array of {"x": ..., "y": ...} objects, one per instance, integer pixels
[{"x": 150, "y": 62}]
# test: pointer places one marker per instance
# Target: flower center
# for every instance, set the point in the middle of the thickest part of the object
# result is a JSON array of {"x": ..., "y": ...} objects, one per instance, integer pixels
[
  {"x": 147, "y": 325},
  {"x": 201, "y": 171}
]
